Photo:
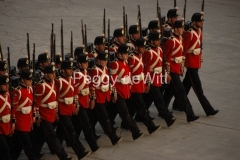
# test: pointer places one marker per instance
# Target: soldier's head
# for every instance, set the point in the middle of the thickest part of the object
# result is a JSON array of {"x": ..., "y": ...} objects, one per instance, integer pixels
[
  {"x": 49, "y": 72},
  {"x": 123, "y": 51},
  {"x": 102, "y": 58},
  {"x": 4, "y": 81},
  {"x": 178, "y": 27},
  {"x": 154, "y": 38},
  {"x": 197, "y": 19},
  {"x": 153, "y": 25},
  {"x": 82, "y": 61},
  {"x": 134, "y": 32},
  {"x": 43, "y": 59},
  {"x": 3, "y": 67},
  {"x": 23, "y": 63},
  {"x": 77, "y": 51},
  {"x": 67, "y": 67},
  {"x": 100, "y": 42},
  {"x": 58, "y": 60},
  {"x": 140, "y": 45},
  {"x": 172, "y": 15},
  {"x": 118, "y": 35},
  {"x": 26, "y": 77}
]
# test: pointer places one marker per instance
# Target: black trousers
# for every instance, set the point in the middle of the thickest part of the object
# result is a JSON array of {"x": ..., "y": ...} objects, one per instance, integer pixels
[
  {"x": 192, "y": 80},
  {"x": 125, "y": 116},
  {"x": 142, "y": 110},
  {"x": 104, "y": 121},
  {"x": 50, "y": 135},
  {"x": 4, "y": 148},
  {"x": 22, "y": 141},
  {"x": 65, "y": 129},
  {"x": 176, "y": 89},
  {"x": 82, "y": 122}
]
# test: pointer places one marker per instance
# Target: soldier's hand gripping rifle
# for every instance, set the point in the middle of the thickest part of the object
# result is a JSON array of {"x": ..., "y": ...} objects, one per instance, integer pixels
[
  {"x": 1, "y": 54},
  {"x": 62, "y": 49},
  {"x": 139, "y": 21}
]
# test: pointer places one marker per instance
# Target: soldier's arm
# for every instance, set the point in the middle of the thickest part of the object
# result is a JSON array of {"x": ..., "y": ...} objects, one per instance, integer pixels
[
  {"x": 186, "y": 42},
  {"x": 16, "y": 97},
  {"x": 147, "y": 64},
  {"x": 168, "y": 51},
  {"x": 38, "y": 95},
  {"x": 94, "y": 82}
]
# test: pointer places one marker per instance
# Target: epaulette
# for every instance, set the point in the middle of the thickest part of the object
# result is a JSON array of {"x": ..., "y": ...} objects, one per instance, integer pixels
[
  {"x": 40, "y": 82},
  {"x": 93, "y": 67},
  {"x": 93, "y": 52},
  {"x": 189, "y": 30},
  {"x": 148, "y": 49},
  {"x": 18, "y": 88},
  {"x": 113, "y": 45},
  {"x": 131, "y": 54},
  {"x": 115, "y": 60}
]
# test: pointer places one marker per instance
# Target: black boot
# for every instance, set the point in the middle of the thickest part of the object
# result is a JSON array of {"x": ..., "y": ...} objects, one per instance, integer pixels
[
  {"x": 153, "y": 129},
  {"x": 192, "y": 118},
  {"x": 138, "y": 135}
]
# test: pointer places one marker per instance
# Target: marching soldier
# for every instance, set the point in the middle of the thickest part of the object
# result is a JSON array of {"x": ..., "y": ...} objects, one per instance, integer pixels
[
  {"x": 192, "y": 44},
  {"x": 23, "y": 115},
  {"x": 134, "y": 35},
  {"x": 99, "y": 43},
  {"x": 172, "y": 16},
  {"x": 81, "y": 88},
  {"x": 23, "y": 63},
  {"x": 3, "y": 67},
  {"x": 100, "y": 95},
  {"x": 43, "y": 61},
  {"x": 66, "y": 107},
  {"x": 6, "y": 127},
  {"x": 46, "y": 113},
  {"x": 58, "y": 61},
  {"x": 119, "y": 39},
  {"x": 174, "y": 65},
  {"x": 138, "y": 86},
  {"x": 152, "y": 59},
  {"x": 121, "y": 81}
]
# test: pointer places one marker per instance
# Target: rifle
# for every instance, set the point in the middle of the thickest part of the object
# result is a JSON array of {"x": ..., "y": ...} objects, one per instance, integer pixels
[
  {"x": 83, "y": 41},
  {"x": 51, "y": 44},
  {"x": 9, "y": 75},
  {"x": 124, "y": 21},
  {"x": 162, "y": 43},
  {"x": 85, "y": 27},
  {"x": 202, "y": 10},
  {"x": 33, "y": 80},
  {"x": 71, "y": 45},
  {"x": 109, "y": 51},
  {"x": 175, "y": 3},
  {"x": 157, "y": 8},
  {"x": 184, "y": 10},
  {"x": 104, "y": 22},
  {"x": 139, "y": 21},
  {"x": 127, "y": 36},
  {"x": 54, "y": 47},
  {"x": 28, "y": 48},
  {"x": 1, "y": 54},
  {"x": 62, "y": 49}
]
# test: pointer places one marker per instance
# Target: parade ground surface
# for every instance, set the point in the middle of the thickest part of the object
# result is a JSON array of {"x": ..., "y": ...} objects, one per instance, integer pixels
[{"x": 208, "y": 138}]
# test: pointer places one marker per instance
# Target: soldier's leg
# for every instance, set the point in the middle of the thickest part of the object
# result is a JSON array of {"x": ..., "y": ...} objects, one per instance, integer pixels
[
  {"x": 70, "y": 134},
  {"x": 112, "y": 112},
  {"x": 195, "y": 82},
  {"x": 142, "y": 109},
  {"x": 77, "y": 127},
  {"x": 51, "y": 137},
  {"x": 101, "y": 111},
  {"x": 87, "y": 128},
  {"x": 132, "y": 110},
  {"x": 38, "y": 138},
  {"x": 180, "y": 94},
  {"x": 4, "y": 148},
  {"x": 126, "y": 117},
  {"x": 26, "y": 144},
  {"x": 93, "y": 118}
]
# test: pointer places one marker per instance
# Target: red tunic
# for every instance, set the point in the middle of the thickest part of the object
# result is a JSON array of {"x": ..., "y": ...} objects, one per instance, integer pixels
[
  {"x": 136, "y": 67},
  {"x": 120, "y": 77},
  {"x": 152, "y": 59},
  {"x": 65, "y": 95},
  {"x": 100, "y": 83},
  {"x": 173, "y": 50},
  {"x": 192, "y": 40},
  {"x": 45, "y": 99},
  {"x": 22, "y": 108},
  {"x": 81, "y": 87},
  {"x": 5, "y": 110}
]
